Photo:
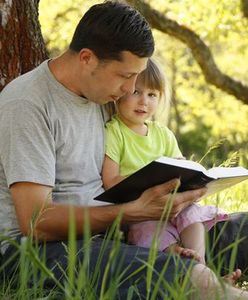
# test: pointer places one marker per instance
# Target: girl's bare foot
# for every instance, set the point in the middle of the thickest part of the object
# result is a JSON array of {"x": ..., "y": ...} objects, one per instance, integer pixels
[
  {"x": 233, "y": 277},
  {"x": 186, "y": 252}
]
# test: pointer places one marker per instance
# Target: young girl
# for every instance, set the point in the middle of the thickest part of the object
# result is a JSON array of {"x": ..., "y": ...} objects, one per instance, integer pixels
[{"x": 133, "y": 141}]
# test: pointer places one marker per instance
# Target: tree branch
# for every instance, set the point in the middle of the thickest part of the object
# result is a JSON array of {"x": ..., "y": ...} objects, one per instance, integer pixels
[
  {"x": 200, "y": 51},
  {"x": 244, "y": 8}
]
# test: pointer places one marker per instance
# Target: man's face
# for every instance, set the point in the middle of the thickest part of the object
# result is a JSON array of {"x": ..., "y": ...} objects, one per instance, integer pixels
[{"x": 110, "y": 80}]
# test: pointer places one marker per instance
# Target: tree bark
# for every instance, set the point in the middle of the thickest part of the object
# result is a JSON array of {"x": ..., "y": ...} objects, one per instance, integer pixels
[
  {"x": 200, "y": 51},
  {"x": 21, "y": 44}
]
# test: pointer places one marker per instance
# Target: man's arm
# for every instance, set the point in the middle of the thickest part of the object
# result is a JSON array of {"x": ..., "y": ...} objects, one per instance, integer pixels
[{"x": 51, "y": 221}]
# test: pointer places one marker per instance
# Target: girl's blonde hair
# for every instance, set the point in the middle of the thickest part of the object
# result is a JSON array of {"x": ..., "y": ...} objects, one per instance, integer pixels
[{"x": 153, "y": 77}]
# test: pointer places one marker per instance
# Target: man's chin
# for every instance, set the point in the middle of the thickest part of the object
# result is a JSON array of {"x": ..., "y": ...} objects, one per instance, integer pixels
[
  {"x": 103, "y": 101},
  {"x": 99, "y": 101}
]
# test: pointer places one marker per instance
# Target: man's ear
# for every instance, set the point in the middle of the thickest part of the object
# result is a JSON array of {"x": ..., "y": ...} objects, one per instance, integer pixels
[{"x": 87, "y": 57}]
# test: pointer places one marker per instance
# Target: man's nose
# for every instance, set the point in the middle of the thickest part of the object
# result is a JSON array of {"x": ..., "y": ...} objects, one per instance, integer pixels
[{"x": 129, "y": 85}]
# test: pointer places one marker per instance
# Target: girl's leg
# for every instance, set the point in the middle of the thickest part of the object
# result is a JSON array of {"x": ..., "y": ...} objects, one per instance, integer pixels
[
  {"x": 142, "y": 234},
  {"x": 193, "y": 237},
  {"x": 208, "y": 287}
]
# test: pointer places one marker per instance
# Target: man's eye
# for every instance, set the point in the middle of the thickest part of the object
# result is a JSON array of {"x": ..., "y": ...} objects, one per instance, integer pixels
[{"x": 126, "y": 76}]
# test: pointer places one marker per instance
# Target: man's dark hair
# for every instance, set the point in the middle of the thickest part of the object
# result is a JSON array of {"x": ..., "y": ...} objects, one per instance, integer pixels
[{"x": 111, "y": 27}]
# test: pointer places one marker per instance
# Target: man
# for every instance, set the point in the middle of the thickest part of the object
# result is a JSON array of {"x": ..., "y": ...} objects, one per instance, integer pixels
[{"x": 52, "y": 148}]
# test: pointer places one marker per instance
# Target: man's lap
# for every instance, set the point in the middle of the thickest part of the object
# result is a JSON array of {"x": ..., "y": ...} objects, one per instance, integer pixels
[
  {"x": 131, "y": 258},
  {"x": 228, "y": 243},
  {"x": 123, "y": 264}
]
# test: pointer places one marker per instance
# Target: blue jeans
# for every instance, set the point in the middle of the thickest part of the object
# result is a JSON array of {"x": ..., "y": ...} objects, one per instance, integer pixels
[{"x": 128, "y": 259}]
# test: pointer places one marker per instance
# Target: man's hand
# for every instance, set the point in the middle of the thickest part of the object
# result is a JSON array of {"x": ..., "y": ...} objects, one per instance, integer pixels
[
  {"x": 152, "y": 203},
  {"x": 53, "y": 219}
]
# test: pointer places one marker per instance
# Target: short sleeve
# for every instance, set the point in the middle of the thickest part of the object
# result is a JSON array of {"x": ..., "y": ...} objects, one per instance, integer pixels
[
  {"x": 27, "y": 148},
  {"x": 172, "y": 148},
  {"x": 114, "y": 142}
]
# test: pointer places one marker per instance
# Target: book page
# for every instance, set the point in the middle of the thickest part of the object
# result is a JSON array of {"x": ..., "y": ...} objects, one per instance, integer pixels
[
  {"x": 222, "y": 183},
  {"x": 183, "y": 163},
  {"x": 224, "y": 172}
]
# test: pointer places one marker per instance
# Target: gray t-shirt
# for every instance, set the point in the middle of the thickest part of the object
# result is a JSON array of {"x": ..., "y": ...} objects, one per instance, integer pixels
[{"x": 50, "y": 136}]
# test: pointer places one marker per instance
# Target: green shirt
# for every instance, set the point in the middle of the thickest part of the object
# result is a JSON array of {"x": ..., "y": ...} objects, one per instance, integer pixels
[{"x": 133, "y": 151}]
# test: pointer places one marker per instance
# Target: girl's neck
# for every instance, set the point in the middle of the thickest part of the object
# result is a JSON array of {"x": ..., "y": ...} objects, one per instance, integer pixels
[{"x": 140, "y": 129}]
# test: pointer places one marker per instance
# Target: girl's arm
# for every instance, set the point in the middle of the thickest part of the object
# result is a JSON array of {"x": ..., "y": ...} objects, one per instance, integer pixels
[{"x": 110, "y": 173}]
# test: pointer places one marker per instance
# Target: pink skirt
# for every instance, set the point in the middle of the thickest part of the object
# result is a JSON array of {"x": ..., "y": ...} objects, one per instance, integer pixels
[{"x": 142, "y": 234}]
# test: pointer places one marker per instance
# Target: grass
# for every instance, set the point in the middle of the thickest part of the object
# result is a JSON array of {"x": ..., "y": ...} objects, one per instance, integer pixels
[
  {"x": 80, "y": 283},
  {"x": 231, "y": 200}
]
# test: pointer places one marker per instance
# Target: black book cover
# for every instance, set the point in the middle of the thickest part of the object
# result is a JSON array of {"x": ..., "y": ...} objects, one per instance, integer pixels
[{"x": 153, "y": 174}]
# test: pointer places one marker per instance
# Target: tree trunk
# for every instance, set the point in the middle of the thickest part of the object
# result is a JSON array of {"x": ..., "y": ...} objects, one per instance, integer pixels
[{"x": 21, "y": 44}]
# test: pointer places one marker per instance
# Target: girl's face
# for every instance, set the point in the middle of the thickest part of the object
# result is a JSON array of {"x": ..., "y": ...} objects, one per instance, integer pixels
[{"x": 134, "y": 109}]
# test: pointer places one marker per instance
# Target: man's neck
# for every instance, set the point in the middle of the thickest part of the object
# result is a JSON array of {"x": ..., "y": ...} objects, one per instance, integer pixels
[{"x": 63, "y": 69}]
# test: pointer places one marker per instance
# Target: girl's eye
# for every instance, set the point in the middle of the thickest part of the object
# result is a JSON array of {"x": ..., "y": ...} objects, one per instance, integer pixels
[
  {"x": 153, "y": 95},
  {"x": 136, "y": 92}
]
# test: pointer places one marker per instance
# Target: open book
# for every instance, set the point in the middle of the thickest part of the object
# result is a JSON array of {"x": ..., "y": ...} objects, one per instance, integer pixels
[{"x": 192, "y": 175}]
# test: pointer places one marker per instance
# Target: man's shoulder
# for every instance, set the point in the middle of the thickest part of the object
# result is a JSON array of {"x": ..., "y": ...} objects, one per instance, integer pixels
[{"x": 23, "y": 87}]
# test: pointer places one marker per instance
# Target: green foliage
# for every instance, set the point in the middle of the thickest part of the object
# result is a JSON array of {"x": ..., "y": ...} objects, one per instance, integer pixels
[
  {"x": 202, "y": 115},
  {"x": 58, "y": 20}
]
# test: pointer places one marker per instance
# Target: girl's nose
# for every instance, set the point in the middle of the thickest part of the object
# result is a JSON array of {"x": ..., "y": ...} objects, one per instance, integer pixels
[{"x": 143, "y": 99}]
